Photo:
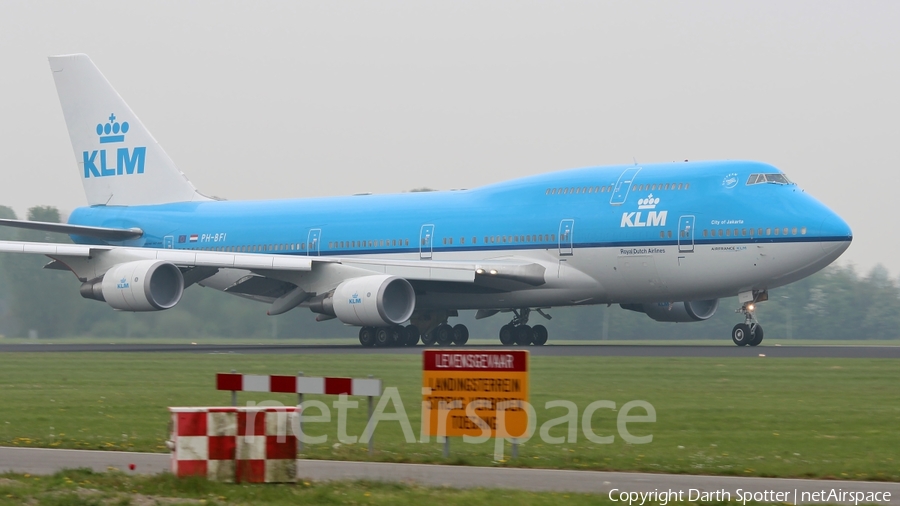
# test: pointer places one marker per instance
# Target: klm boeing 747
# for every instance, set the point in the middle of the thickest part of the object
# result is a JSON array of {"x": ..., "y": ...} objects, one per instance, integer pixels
[{"x": 668, "y": 240}]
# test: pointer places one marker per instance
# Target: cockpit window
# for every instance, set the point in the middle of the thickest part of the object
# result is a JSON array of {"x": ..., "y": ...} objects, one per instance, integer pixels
[{"x": 768, "y": 178}]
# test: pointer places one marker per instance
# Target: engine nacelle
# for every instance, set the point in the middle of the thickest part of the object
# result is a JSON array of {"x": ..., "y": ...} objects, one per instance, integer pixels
[
  {"x": 143, "y": 285},
  {"x": 693, "y": 311},
  {"x": 376, "y": 301}
]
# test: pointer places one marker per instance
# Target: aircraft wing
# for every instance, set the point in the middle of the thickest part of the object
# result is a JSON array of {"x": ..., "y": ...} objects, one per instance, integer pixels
[
  {"x": 104, "y": 233},
  {"x": 92, "y": 261}
]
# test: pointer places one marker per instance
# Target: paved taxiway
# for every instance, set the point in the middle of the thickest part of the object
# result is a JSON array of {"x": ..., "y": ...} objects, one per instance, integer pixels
[
  {"x": 593, "y": 350},
  {"x": 48, "y": 461}
]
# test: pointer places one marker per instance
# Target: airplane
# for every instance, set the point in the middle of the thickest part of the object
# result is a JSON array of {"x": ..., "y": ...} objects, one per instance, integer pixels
[{"x": 667, "y": 240}]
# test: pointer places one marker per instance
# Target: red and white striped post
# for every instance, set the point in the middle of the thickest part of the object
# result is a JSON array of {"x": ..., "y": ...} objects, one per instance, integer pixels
[{"x": 300, "y": 384}]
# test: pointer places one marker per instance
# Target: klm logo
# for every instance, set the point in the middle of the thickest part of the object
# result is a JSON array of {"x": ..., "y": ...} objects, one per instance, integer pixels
[
  {"x": 355, "y": 299},
  {"x": 653, "y": 218},
  {"x": 122, "y": 284},
  {"x": 127, "y": 161}
]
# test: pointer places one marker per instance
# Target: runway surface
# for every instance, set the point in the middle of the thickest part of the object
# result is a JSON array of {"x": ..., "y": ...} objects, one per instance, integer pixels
[
  {"x": 42, "y": 461},
  {"x": 593, "y": 350}
]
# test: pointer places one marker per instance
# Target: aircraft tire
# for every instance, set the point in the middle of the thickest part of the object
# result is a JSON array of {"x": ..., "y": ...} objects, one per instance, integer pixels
[
  {"x": 443, "y": 334},
  {"x": 740, "y": 334},
  {"x": 757, "y": 336},
  {"x": 399, "y": 335},
  {"x": 367, "y": 336},
  {"x": 524, "y": 335},
  {"x": 540, "y": 335},
  {"x": 460, "y": 334},
  {"x": 384, "y": 336},
  {"x": 507, "y": 336},
  {"x": 412, "y": 335}
]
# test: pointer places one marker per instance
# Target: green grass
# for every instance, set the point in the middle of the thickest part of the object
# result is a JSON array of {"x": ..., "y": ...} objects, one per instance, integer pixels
[
  {"x": 726, "y": 416},
  {"x": 81, "y": 487}
]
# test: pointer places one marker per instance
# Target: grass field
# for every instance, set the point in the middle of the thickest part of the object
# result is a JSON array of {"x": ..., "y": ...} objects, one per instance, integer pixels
[
  {"x": 79, "y": 487},
  {"x": 735, "y": 416}
]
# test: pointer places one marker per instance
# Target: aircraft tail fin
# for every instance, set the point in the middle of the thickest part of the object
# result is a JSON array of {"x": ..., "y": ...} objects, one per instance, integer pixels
[{"x": 119, "y": 161}]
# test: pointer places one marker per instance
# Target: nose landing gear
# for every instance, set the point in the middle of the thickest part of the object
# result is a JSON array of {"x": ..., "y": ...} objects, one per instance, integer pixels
[{"x": 749, "y": 333}]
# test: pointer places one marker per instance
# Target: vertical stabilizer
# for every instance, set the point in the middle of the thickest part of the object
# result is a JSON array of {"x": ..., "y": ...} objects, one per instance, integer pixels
[{"x": 119, "y": 162}]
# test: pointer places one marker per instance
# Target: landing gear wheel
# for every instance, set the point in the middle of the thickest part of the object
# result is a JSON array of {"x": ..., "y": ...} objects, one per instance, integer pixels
[
  {"x": 740, "y": 334},
  {"x": 524, "y": 335},
  {"x": 443, "y": 334},
  {"x": 412, "y": 335},
  {"x": 428, "y": 338},
  {"x": 384, "y": 337},
  {"x": 540, "y": 335},
  {"x": 460, "y": 334},
  {"x": 757, "y": 333},
  {"x": 367, "y": 336},
  {"x": 507, "y": 335},
  {"x": 399, "y": 335}
]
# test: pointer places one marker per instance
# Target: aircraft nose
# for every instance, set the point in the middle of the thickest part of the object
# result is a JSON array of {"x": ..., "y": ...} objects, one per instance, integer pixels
[{"x": 838, "y": 235}]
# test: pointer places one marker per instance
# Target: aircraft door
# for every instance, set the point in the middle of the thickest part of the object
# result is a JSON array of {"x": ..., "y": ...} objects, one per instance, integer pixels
[
  {"x": 623, "y": 186},
  {"x": 312, "y": 242},
  {"x": 686, "y": 234},
  {"x": 566, "y": 230},
  {"x": 169, "y": 242},
  {"x": 426, "y": 242}
]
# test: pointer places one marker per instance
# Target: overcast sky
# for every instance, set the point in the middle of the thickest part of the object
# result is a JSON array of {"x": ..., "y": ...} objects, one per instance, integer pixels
[{"x": 258, "y": 100}]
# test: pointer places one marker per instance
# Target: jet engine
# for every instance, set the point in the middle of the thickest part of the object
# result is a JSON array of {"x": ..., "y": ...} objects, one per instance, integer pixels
[
  {"x": 376, "y": 301},
  {"x": 693, "y": 311},
  {"x": 143, "y": 285}
]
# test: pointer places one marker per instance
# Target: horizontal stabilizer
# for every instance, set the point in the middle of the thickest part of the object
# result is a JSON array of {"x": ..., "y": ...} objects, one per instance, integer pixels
[{"x": 103, "y": 233}]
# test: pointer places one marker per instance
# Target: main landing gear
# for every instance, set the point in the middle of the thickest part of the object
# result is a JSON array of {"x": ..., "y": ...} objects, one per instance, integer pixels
[
  {"x": 749, "y": 333},
  {"x": 396, "y": 335},
  {"x": 409, "y": 335},
  {"x": 445, "y": 335},
  {"x": 519, "y": 332}
]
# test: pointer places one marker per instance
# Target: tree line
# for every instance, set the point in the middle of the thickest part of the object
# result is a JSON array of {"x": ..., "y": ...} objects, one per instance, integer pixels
[{"x": 836, "y": 303}]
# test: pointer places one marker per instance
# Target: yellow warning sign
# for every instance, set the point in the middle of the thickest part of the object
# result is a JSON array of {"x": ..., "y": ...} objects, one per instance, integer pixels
[{"x": 475, "y": 393}]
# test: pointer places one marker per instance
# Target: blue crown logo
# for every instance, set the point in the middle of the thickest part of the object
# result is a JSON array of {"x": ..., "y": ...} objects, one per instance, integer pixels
[{"x": 112, "y": 131}]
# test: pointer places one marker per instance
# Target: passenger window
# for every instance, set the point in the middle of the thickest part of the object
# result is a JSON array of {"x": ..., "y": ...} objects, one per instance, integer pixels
[
  {"x": 670, "y": 234},
  {"x": 768, "y": 231},
  {"x": 704, "y": 232},
  {"x": 474, "y": 240},
  {"x": 803, "y": 231},
  {"x": 728, "y": 232},
  {"x": 777, "y": 230},
  {"x": 662, "y": 235},
  {"x": 785, "y": 231},
  {"x": 687, "y": 185}
]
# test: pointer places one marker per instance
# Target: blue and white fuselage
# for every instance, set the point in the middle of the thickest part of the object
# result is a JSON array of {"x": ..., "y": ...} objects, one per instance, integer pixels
[{"x": 701, "y": 237}]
